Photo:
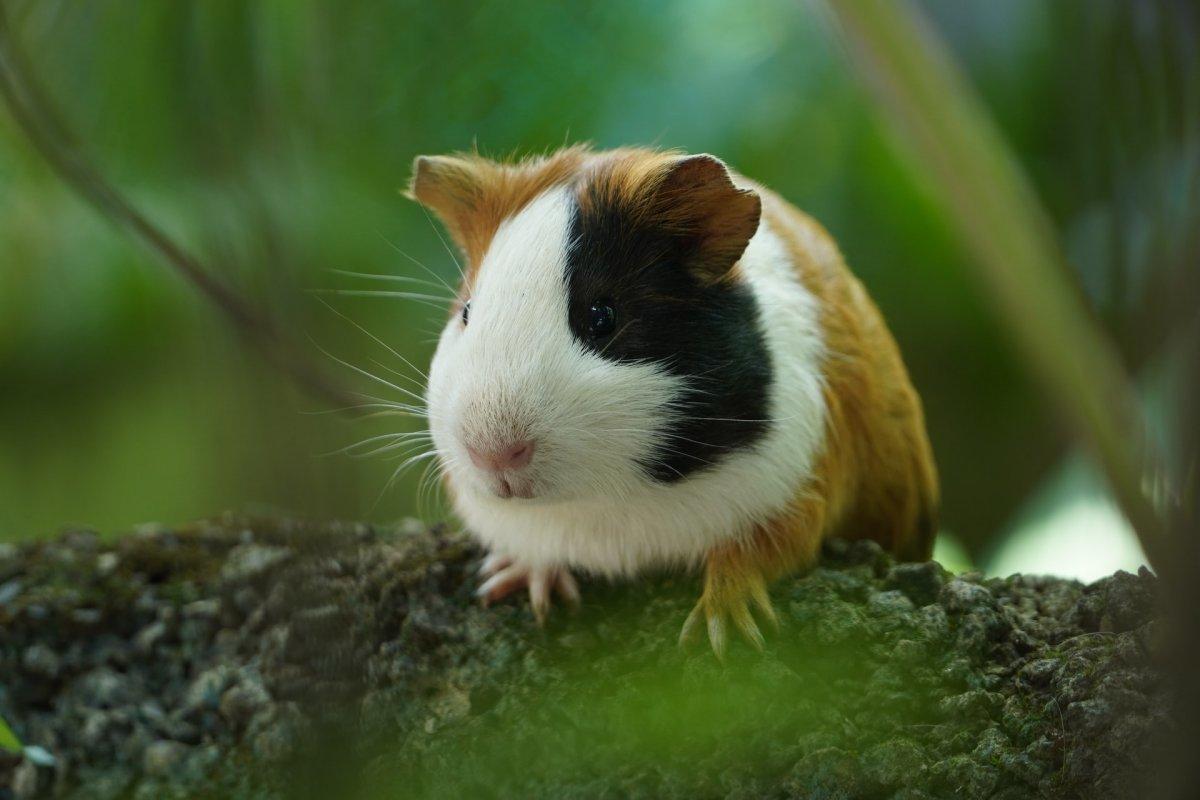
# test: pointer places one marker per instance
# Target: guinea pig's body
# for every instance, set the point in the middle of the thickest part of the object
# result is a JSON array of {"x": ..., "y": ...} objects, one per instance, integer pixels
[{"x": 654, "y": 363}]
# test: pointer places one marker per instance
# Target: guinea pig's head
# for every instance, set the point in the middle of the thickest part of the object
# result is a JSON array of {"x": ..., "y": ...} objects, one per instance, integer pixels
[{"x": 603, "y": 340}]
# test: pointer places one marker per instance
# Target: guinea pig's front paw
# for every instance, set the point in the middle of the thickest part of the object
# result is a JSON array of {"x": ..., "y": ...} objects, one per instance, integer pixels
[
  {"x": 504, "y": 575},
  {"x": 729, "y": 591}
]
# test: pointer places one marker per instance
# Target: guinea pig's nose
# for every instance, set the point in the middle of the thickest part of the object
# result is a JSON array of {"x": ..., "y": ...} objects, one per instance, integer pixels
[{"x": 513, "y": 456}]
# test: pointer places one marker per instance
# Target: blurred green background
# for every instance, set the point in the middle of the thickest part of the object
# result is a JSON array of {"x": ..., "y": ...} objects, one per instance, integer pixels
[{"x": 273, "y": 138}]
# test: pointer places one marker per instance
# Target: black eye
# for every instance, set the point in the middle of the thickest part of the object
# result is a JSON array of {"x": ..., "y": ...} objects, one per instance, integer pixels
[
  {"x": 466, "y": 312},
  {"x": 601, "y": 320}
]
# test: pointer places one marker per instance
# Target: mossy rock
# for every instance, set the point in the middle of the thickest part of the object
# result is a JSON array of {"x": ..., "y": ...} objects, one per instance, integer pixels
[{"x": 271, "y": 657}]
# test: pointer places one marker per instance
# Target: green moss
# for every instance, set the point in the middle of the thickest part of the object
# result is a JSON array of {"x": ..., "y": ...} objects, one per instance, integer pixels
[{"x": 370, "y": 668}]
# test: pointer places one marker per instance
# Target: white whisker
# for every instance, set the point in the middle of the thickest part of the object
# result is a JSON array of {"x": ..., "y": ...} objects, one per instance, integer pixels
[
  {"x": 425, "y": 299},
  {"x": 396, "y": 372},
  {"x": 377, "y": 340},
  {"x": 378, "y": 276},
  {"x": 393, "y": 437},
  {"x": 435, "y": 276},
  {"x": 398, "y": 472},
  {"x": 364, "y": 373},
  {"x": 385, "y": 410},
  {"x": 442, "y": 239}
]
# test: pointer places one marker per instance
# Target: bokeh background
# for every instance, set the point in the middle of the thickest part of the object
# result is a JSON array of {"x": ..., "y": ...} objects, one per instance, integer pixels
[{"x": 273, "y": 138}]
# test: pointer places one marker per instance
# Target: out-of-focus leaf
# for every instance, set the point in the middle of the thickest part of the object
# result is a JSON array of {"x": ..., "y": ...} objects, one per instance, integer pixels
[{"x": 8, "y": 740}]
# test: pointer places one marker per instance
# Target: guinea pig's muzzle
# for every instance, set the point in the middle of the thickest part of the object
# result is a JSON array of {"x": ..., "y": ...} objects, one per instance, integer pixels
[{"x": 503, "y": 456}]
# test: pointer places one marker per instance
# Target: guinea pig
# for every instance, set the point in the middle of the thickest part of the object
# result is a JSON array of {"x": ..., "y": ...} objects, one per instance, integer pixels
[{"x": 654, "y": 362}]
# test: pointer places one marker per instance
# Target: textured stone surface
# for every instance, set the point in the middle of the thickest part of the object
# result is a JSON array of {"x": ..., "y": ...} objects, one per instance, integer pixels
[{"x": 263, "y": 657}]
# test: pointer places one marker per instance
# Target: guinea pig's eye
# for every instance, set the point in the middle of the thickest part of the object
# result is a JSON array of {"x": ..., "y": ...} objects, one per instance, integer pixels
[
  {"x": 601, "y": 320},
  {"x": 466, "y": 312}
]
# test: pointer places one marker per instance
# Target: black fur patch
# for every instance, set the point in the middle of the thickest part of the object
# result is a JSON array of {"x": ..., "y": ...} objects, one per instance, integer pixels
[{"x": 709, "y": 334}]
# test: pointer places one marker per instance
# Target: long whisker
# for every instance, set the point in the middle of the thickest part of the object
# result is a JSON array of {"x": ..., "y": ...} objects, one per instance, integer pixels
[
  {"x": 384, "y": 410},
  {"x": 418, "y": 409},
  {"x": 391, "y": 437},
  {"x": 378, "y": 276},
  {"x": 436, "y": 276},
  {"x": 407, "y": 446},
  {"x": 441, "y": 239},
  {"x": 425, "y": 489},
  {"x": 397, "y": 472},
  {"x": 364, "y": 373},
  {"x": 396, "y": 372},
  {"x": 442, "y": 466},
  {"x": 388, "y": 413},
  {"x": 377, "y": 340},
  {"x": 425, "y": 299}
]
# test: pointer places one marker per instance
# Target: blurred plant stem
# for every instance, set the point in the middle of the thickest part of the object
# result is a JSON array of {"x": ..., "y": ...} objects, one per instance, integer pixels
[
  {"x": 994, "y": 210},
  {"x": 41, "y": 123}
]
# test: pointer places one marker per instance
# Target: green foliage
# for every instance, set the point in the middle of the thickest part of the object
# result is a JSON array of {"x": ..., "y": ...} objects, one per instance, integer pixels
[{"x": 8, "y": 739}]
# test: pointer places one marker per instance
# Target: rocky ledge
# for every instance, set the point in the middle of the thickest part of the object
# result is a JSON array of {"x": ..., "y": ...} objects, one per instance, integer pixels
[{"x": 267, "y": 658}]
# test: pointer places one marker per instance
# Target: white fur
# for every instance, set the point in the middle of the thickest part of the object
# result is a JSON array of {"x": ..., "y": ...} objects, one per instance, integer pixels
[{"x": 516, "y": 369}]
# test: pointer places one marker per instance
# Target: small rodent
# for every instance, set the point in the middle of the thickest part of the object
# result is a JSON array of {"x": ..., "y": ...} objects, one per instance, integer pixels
[{"x": 654, "y": 362}]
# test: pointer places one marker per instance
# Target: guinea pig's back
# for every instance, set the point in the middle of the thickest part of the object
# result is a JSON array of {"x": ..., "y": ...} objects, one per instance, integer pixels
[{"x": 876, "y": 467}]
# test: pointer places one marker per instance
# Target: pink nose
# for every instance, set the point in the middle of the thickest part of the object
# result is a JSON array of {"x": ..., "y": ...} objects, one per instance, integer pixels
[{"x": 511, "y": 457}]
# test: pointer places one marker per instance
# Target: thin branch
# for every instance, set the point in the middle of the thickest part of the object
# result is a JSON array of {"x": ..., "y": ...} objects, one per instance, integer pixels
[{"x": 42, "y": 125}]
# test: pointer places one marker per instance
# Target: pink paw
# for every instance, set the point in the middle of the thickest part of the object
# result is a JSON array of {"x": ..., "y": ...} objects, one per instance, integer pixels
[{"x": 504, "y": 575}]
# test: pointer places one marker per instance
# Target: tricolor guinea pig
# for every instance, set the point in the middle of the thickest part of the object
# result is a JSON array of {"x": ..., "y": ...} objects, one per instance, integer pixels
[{"x": 656, "y": 362}]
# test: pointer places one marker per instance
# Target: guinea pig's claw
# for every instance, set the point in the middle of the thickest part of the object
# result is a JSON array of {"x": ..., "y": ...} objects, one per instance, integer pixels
[
  {"x": 717, "y": 618},
  {"x": 539, "y": 595},
  {"x": 762, "y": 601},
  {"x": 687, "y": 636},
  {"x": 568, "y": 589},
  {"x": 504, "y": 576},
  {"x": 717, "y": 636},
  {"x": 543, "y": 582},
  {"x": 502, "y": 582},
  {"x": 493, "y": 564},
  {"x": 749, "y": 629}
]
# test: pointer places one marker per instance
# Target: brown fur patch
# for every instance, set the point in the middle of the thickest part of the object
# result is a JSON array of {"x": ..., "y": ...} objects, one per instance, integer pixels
[
  {"x": 472, "y": 195},
  {"x": 692, "y": 197},
  {"x": 625, "y": 178}
]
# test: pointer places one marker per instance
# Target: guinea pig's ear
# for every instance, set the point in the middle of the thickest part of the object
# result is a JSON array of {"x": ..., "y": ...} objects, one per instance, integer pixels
[
  {"x": 451, "y": 186},
  {"x": 715, "y": 219}
]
